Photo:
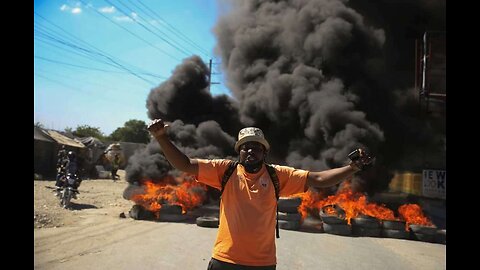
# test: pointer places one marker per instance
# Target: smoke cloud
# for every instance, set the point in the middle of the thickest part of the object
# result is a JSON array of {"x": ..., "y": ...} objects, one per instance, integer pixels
[{"x": 320, "y": 77}]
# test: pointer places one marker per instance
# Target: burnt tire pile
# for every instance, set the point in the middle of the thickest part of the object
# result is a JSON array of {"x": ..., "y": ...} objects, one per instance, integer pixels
[
  {"x": 394, "y": 229},
  {"x": 427, "y": 234},
  {"x": 364, "y": 225},
  {"x": 397, "y": 229},
  {"x": 207, "y": 222},
  {"x": 334, "y": 221},
  {"x": 139, "y": 212},
  {"x": 171, "y": 213},
  {"x": 288, "y": 216},
  {"x": 168, "y": 213}
]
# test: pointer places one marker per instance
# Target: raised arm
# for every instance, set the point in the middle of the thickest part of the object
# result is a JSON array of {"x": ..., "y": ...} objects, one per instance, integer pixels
[
  {"x": 178, "y": 159},
  {"x": 359, "y": 161},
  {"x": 330, "y": 177}
]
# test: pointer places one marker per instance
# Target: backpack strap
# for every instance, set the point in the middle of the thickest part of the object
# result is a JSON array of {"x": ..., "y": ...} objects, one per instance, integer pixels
[
  {"x": 226, "y": 175},
  {"x": 276, "y": 184},
  {"x": 273, "y": 176}
]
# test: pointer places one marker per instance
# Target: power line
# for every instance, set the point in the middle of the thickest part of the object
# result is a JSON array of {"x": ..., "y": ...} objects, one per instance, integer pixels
[
  {"x": 176, "y": 31},
  {"x": 137, "y": 36},
  {"x": 77, "y": 39},
  {"x": 84, "y": 67},
  {"x": 91, "y": 58},
  {"x": 69, "y": 87},
  {"x": 69, "y": 77},
  {"x": 61, "y": 83},
  {"x": 50, "y": 42},
  {"x": 177, "y": 44},
  {"x": 101, "y": 54},
  {"x": 191, "y": 43},
  {"x": 146, "y": 28}
]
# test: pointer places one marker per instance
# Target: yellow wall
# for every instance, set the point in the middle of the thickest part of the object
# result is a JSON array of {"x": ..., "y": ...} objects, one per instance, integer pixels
[{"x": 407, "y": 182}]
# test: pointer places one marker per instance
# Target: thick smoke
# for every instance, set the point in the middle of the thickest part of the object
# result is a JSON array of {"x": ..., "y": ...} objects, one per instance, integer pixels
[
  {"x": 199, "y": 121},
  {"x": 294, "y": 67},
  {"x": 185, "y": 96},
  {"x": 320, "y": 77}
]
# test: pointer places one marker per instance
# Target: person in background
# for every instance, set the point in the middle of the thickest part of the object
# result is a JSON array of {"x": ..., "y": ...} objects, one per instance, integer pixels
[
  {"x": 245, "y": 237},
  {"x": 62, "y": 161},
  {"x": 115, "y": 166}
]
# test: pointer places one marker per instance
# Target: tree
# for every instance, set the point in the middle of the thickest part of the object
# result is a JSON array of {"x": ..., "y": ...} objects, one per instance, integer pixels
[
  {"x": 132, "y": 131},
  {"x": 87, "y": 131},
  {"x": 38, "y": 125}
]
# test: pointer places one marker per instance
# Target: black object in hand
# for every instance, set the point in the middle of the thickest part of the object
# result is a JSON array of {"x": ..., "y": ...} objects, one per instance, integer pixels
[
  {"x": 361, "y": 159},
  {"x": 354, "y": 155}
]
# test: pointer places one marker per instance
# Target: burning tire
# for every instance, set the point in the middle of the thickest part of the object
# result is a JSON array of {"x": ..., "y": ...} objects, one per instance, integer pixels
[
  {"x": 138, "y": 212},
  {"x": 312, "y": 224},
  {"x": 365, "y": 221},
  {"x": 332, "y": 214},
  {"x": 398, "y": 234},
  {"x": 393, "y": 225},
  {"x": 364, "y": 231},
  {"x": 289, "y": 224},
  {"x": 441, "y": 237},
  {"x": 209, "y": 222},
  {"x": 337, "y": 229},
  {"x": 171, "y": 209},
  {"x": 423, "y": 233},
  {"x": 289, "y": 204},
  {"x": 289, "y": 216},
  {"x": 428, "y": 230},
  {"x": 424, "y": 237},
  {"x": 172, "y": 217}
]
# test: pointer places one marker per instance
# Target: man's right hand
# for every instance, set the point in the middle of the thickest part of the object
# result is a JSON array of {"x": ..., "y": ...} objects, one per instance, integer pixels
[{"x": 157, "y": 127}]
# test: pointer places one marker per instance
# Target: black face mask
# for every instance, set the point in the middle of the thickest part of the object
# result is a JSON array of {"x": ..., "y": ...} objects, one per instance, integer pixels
[{"x": 253, "y": 167}]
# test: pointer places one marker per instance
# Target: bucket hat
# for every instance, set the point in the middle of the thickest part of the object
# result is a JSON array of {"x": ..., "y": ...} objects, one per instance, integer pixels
[{"x": 251, "y": 134}]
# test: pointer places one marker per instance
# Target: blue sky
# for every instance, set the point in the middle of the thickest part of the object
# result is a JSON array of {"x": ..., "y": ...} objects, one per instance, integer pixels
[{"x": 94, "y": 65}]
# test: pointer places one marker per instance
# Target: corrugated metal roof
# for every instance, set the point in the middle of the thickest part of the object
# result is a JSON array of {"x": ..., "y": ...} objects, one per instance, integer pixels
[{"x": 61, "y": 139}]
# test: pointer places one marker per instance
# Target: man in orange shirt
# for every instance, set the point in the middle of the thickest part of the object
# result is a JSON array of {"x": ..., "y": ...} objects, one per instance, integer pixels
[{"x": 245, "y": 238}]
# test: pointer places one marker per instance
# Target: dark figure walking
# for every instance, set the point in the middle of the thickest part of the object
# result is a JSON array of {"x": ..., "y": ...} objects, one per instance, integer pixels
[{"x": 115, "y": 165}]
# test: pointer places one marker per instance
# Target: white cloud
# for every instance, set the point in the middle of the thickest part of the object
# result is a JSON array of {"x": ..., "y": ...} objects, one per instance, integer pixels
[
  {"x": 76, "y": 10},
  {"x": 107, "y": 9},
  {"x": 123, "y": 19}
]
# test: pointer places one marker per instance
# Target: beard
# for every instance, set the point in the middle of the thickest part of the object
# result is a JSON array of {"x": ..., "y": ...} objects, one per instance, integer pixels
[{"x": 252, "y": 167}]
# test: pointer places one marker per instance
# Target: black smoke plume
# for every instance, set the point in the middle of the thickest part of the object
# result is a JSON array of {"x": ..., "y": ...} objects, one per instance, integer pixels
[
  {"x": 199, "y": 121},
  {"x": 320, "y": 77}
]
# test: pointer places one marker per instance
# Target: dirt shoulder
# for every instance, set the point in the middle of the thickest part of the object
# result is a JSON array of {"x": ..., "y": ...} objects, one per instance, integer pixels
[{"x": 98, "y": 198}]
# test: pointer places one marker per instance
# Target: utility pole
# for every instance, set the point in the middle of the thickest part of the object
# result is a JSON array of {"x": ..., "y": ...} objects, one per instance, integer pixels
[{"x": 210, "y": 75}]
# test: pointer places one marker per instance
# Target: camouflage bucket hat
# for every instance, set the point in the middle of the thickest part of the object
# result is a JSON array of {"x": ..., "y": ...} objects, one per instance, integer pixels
[{"x": 251, "y": 134}]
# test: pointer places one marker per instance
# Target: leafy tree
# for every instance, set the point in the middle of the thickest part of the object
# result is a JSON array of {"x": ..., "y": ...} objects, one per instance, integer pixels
[
  {"x": 132, "y": 131},
  {"x": 87, "y": 131},
  {"x": 38, "y": 125}
]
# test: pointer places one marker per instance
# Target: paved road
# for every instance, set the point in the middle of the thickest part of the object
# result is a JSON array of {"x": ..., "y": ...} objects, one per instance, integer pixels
[{"x": 131, "y": 244}]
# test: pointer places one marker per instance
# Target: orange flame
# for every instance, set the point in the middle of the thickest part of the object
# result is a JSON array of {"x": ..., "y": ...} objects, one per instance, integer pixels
[
  {"x": 308, "y": 201},
  {"x": 413, "y": 214},
  {"x": 330, "y": 210},
  {"x": 353, "y": 203},
  {"x": 189, "y": 194}
]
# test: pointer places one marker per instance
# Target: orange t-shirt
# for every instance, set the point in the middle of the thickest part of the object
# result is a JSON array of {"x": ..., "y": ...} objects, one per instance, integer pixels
[{"x": 246, "y": 234}]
